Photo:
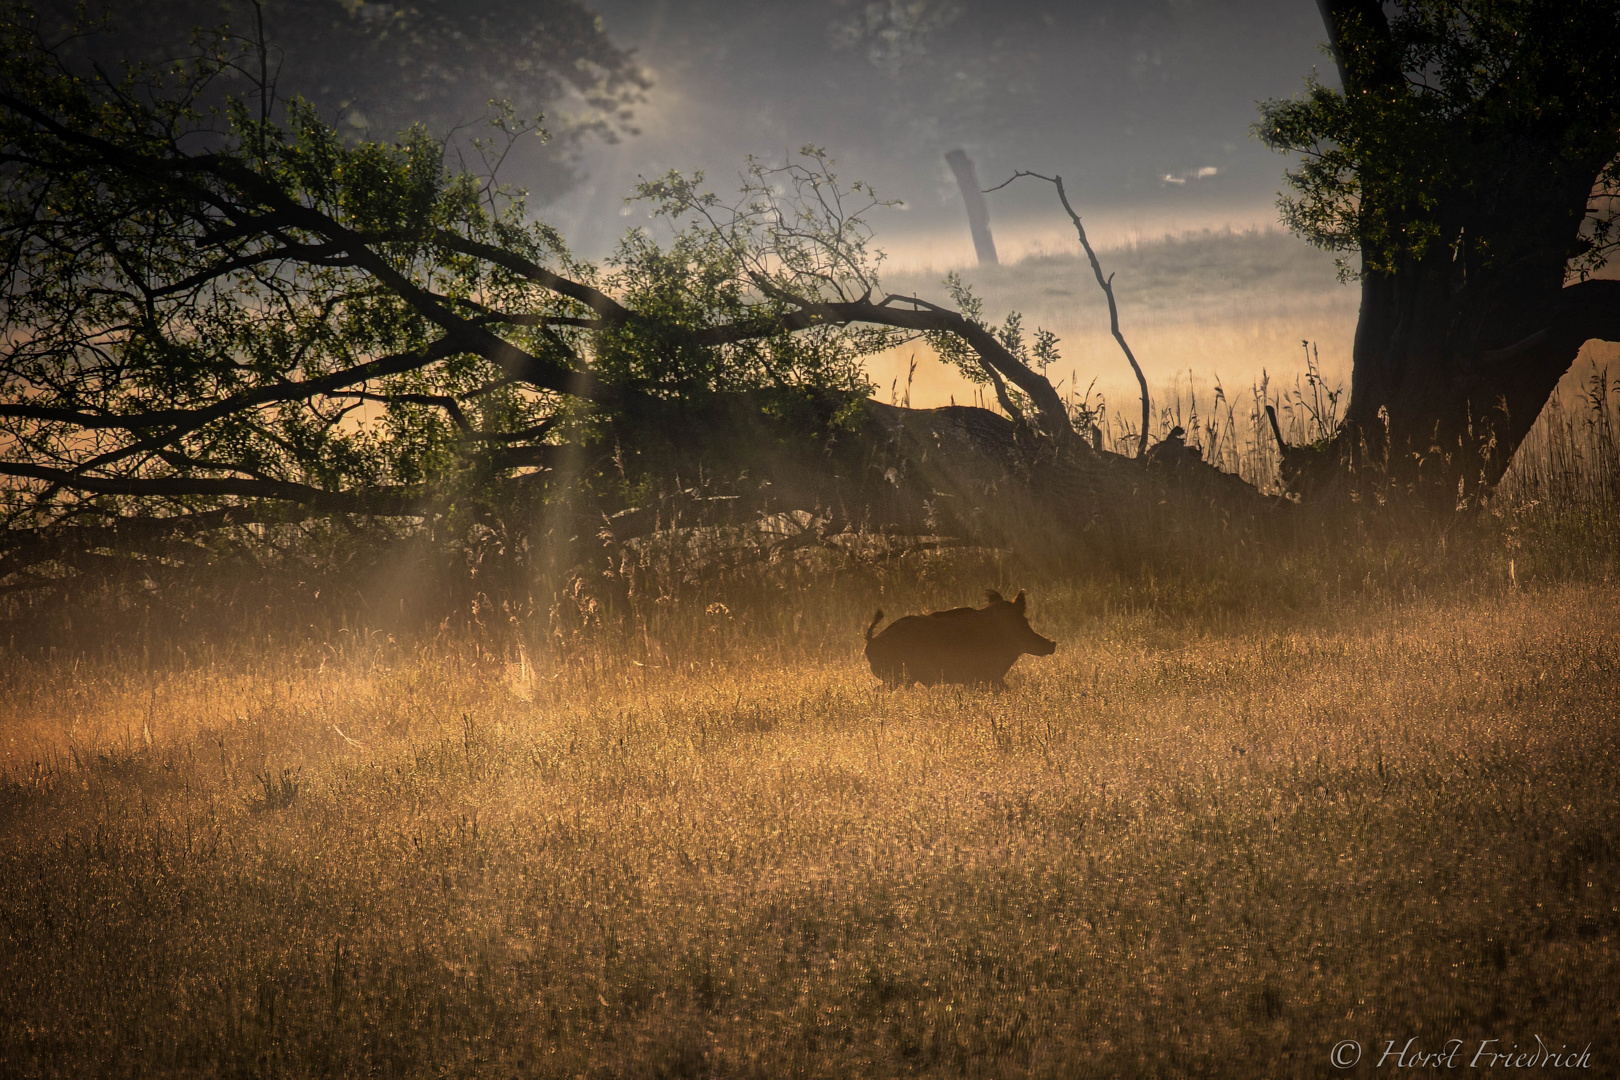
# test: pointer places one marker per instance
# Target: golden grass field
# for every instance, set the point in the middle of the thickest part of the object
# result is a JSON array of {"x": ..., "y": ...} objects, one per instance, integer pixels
[
  {"x": 1207, "y": 838},
  {"x": 1364, "y": 789}
]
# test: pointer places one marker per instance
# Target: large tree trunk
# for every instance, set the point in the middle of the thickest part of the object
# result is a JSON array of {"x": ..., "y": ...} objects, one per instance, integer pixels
[
  {"x": 1450, "y": 376},
  {"x": 1429, "y": 404},
  {"x": 1459, "y": 349}
]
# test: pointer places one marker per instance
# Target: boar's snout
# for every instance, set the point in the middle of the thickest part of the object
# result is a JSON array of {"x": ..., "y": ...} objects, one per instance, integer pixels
[{"x": 1041, "y": 646}]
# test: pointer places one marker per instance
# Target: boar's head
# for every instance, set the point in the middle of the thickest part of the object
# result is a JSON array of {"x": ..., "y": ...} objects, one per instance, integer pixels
[{"x": 1013, "y": 628}]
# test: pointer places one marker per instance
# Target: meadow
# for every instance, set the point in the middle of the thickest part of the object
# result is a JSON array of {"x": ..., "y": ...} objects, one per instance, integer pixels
[
  {"x": 1210, "y": 837},
  {"x": 1362, "y": 789}
]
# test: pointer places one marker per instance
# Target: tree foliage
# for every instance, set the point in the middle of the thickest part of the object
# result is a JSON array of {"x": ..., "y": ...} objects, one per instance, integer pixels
[
  {"x": 233, "y": 315},
  {"x": 1471, "y": 159},
  {"x": 1457, "y": 116}
]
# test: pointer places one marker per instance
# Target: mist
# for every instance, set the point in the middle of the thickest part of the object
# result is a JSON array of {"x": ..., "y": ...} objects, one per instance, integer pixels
[{"x": 1145, "y": 110}]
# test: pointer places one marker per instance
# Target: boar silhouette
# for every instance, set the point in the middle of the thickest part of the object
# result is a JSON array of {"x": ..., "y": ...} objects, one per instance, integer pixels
[{"x": 962, "y": 645}]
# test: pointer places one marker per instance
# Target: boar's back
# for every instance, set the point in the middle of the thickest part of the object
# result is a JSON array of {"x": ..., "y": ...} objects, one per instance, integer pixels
[{"x": 960, "y": 645}]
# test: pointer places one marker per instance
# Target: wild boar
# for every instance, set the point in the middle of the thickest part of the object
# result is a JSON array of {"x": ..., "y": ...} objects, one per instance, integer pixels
[{"x": 962, "y": 645}]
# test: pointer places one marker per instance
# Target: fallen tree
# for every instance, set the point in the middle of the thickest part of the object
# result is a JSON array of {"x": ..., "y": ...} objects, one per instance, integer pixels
[{"x": 226, "y": 322}]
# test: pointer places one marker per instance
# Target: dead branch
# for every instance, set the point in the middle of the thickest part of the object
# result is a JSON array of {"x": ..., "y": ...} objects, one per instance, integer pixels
[{"x": 1107, "y": 285}]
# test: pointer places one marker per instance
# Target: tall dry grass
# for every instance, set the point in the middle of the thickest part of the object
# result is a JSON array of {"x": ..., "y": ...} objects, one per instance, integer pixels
[
  {"x": 1186, "y": 845},
  {"x": 1571, "y": 457},
  {"x": 1219, "y": 320},
  {"x": 1569, "y": 461}
]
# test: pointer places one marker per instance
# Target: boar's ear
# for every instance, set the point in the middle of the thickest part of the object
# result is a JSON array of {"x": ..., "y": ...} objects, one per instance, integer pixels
[
  {"x": 1018, "y": 602},
  {"x": 993, "y": 596}
]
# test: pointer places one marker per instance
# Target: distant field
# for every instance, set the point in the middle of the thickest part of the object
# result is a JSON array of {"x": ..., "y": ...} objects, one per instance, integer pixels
[
  {"x": 1226, "y": 304},
  {"x": 1196, "y": 844}
]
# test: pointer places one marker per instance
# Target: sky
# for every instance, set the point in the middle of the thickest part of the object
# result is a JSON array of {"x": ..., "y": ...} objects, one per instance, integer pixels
[{"x": 1143, "y": 106}]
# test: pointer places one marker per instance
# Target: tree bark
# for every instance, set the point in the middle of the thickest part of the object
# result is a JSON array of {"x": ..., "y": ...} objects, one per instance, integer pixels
[
  {"x": 1458, "y": 351},
  {"x": 1445, "y": 386}
]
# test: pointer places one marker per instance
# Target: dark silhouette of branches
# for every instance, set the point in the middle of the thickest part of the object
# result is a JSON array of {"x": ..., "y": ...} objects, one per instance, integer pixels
[{"x": 212, "y": 321}]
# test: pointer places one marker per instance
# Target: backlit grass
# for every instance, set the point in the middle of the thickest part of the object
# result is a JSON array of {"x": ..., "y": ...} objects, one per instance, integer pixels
[{"x": 1185, "y": 845}]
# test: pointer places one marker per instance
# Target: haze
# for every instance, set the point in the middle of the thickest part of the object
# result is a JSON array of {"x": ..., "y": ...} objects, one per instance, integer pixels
[{"x": 1144, "y": 108}]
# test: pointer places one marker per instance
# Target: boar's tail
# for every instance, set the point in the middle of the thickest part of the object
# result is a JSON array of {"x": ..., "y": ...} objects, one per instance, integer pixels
[{"x": 873, "y": 626}]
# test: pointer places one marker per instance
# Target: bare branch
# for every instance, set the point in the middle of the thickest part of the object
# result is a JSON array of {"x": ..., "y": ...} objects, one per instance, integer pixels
[
  {"x": 598, "y": 301},
  {"x": 924, "y": 316},
  {"x": 451, "y": 407},
  {"x": 187, "y": 420},
  {"x": 1107, "y": 286}
]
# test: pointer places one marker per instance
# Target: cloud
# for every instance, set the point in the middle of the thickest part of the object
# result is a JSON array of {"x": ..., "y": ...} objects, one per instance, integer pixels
[{"x": 1201, "y": 173}]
